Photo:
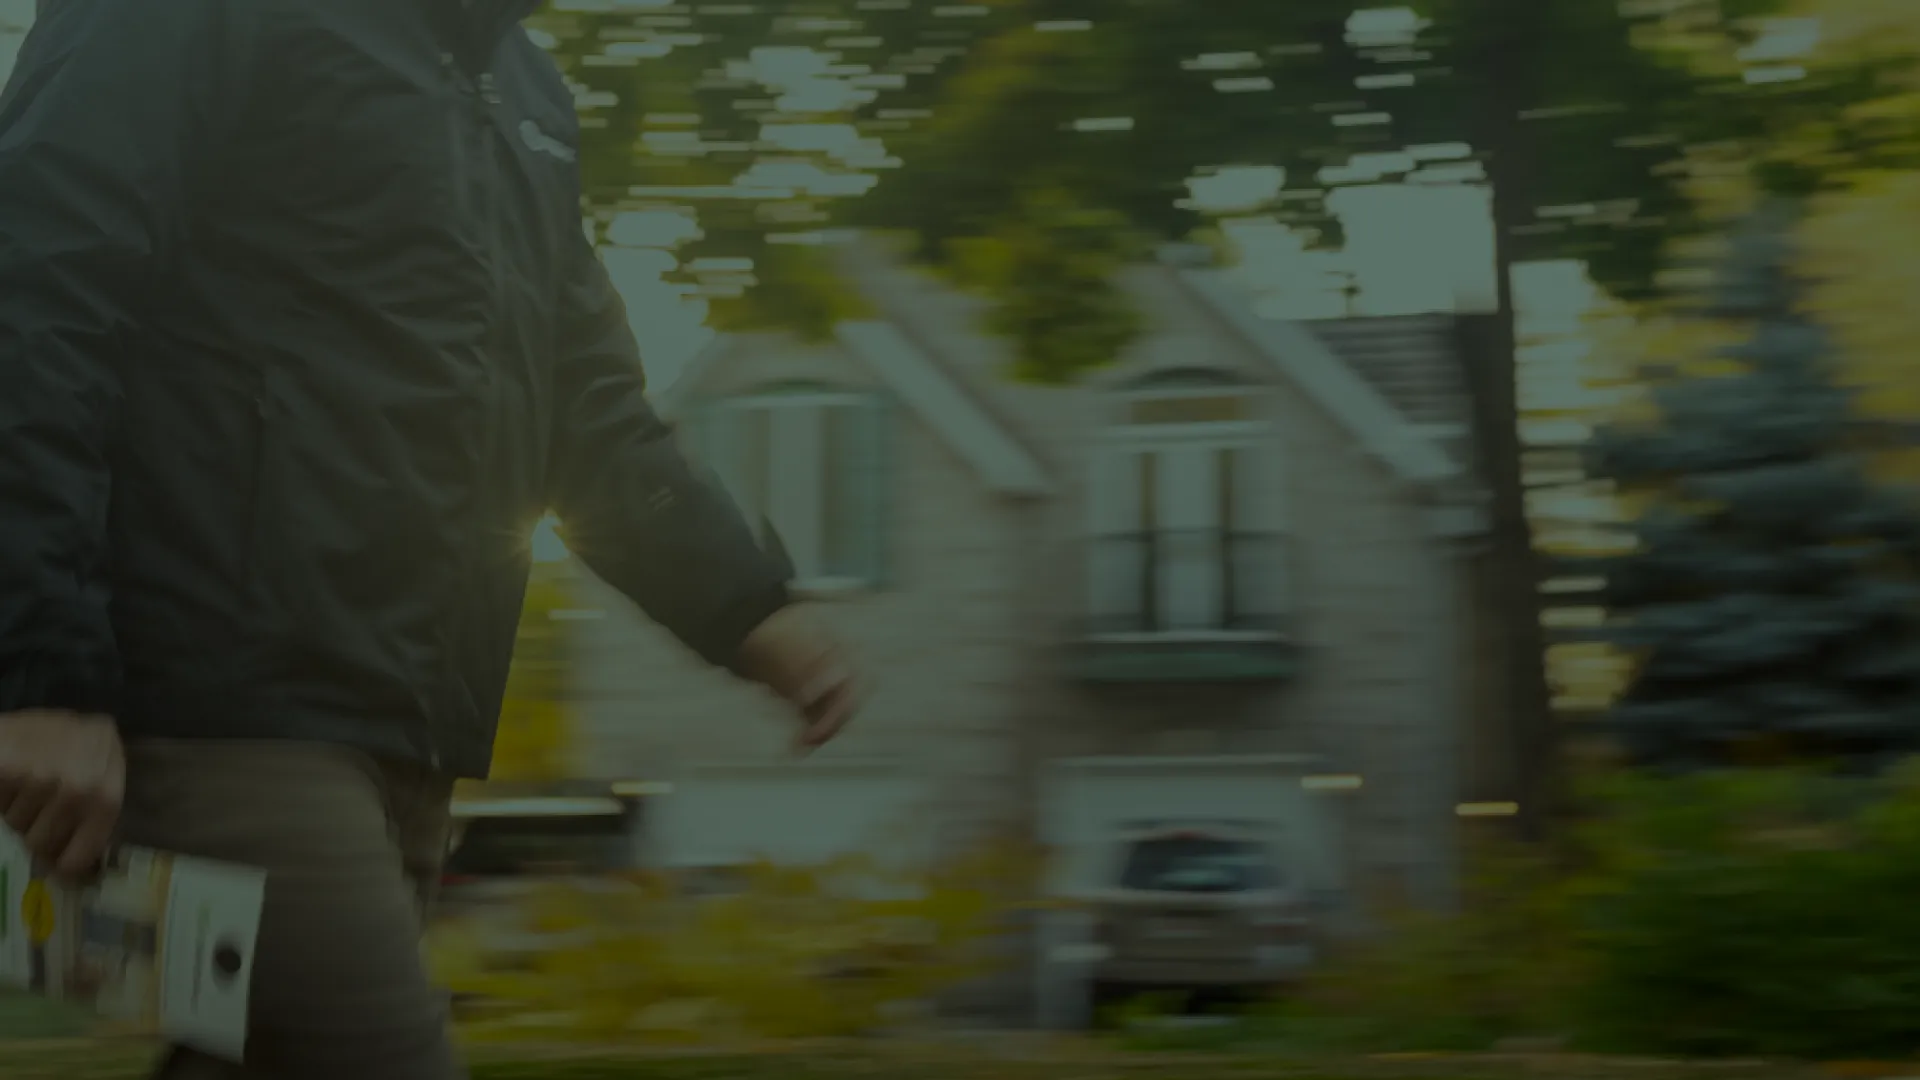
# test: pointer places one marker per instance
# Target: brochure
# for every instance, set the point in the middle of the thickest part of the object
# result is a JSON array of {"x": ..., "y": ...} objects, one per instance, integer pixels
[{"x": 160, "y": 944}]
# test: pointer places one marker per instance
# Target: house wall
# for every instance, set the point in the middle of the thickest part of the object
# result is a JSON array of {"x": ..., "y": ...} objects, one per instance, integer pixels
[
  {"x": 935, "y": 637},
  {"x": 968, "y": 640},
  {"x": 1382, "y": 689}
]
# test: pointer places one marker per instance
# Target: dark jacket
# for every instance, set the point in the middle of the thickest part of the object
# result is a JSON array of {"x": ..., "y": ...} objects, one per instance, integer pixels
[{"x": 299, "y": 338}]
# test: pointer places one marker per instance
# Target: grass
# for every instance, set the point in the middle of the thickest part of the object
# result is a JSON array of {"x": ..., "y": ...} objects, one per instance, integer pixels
[{"x": 1018, "y": 1059}]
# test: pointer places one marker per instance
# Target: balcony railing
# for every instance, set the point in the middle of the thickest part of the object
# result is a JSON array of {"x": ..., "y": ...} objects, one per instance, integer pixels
[{"x": 1192, "y": 583}]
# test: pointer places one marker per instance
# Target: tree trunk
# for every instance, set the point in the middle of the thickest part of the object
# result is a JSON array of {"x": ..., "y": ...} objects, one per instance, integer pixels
[{"x": 1510, "y": 37}]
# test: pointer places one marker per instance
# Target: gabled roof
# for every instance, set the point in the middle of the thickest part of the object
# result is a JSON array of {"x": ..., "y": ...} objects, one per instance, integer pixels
[
  {"x": 949, "y": 410},
  {"x": 1307, "y": 361},
  {"x": 1415, "y": 452},
  {"x": 922, "y": 386}
]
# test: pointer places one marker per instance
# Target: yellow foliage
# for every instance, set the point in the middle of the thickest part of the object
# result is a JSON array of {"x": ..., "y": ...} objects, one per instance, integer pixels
[
  {"x": 1866, "y": 280},
  {"x": 831, "y": 950},
  {"x": 535, "y": 732},
  {"x": 533, "y": 741},
  {"x": 1853, "y": 238},
  {"x": 796, "y": 289},
  {"x": 979, "y": 263},
  {"x": 1851, "y": 27}
]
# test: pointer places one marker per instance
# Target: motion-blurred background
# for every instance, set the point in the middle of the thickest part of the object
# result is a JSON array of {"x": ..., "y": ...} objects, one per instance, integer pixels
[{"x": 1391, "y": 519}]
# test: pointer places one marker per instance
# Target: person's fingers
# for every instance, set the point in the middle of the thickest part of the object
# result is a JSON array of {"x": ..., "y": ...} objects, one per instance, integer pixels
[
  {"x": 31, "y": 798},
  {"x": 47, "y": 837},
  {"x": 828, "y": 680},
  {"x": 816, "y": 734},
  {"x": 61, "y": 782},
  {"x": 832, "y": 712},
  {"x": 87, "y": 846}
]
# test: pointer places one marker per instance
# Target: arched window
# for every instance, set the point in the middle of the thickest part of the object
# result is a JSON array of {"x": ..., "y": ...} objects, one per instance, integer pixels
[
  {"x": 1184, "y": 502},
  {"x": 808, "y": 465},
  {"x": 1186, "y": 396}
]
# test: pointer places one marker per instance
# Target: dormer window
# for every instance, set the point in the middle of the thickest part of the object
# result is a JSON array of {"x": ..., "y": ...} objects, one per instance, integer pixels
[
  {"x": 807, "y": 465},
  {"x": 1185, "y": 499},
  {"x": 1201, "y": 405}
]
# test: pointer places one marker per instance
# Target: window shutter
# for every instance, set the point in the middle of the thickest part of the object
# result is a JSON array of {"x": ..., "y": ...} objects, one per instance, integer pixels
[
  {"x": 1262, "y": 559},
  {"x": 724, "y": 442},
  {"x": 1259, "y": 491},
  {"x": 1116, "y": 503},
  {"x": 1117, "y": 556},
  {"x": 860, "y": 505},
  {"x": 797, "y": 483},
  {"x": 1190, "y": 569}
]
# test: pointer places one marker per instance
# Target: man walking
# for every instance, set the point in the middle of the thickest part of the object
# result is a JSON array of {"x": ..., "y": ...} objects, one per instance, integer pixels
[{"x": 299, "y": 338}]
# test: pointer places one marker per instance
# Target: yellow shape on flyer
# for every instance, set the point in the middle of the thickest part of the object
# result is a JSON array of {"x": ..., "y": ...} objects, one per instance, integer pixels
[{"x": 36, "y": 912}]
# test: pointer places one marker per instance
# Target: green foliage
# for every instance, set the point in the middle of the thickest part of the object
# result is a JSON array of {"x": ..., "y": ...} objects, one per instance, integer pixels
[
  {"x": 1006, "y": 1057},
  {"x": 1762, "y": 912},
  {"x": 1773, "y": 599},
  {"x": 1119, "y": 112},
  {"x": 1507, "y": 964},
  {"x": 794, "y": 288},
  {"x": 1049, "y": 135},
  {"x": 1613, "y": 105},
  {"x": 982, "y": 107},
  {"x": 835, "y": 950},
  {"x": 757, "y": 122},
  {"x": 1759, "y": 913},
  {"x": 1623, "y": 109},
  {"x": 1052, "y": 277}
]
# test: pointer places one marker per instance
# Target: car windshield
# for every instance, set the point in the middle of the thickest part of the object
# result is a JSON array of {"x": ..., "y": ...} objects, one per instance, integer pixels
[
  {"x": 1198, "y": 864},
  {"x": 510, "y": 846}
]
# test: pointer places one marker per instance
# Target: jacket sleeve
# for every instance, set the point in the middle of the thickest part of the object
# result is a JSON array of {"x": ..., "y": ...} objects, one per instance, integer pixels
[
  {"x": 106, "y": 101},
  {"x": 630, "y": 505}
]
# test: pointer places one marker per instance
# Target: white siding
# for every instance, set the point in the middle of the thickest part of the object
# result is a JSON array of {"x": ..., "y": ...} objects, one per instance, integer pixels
[{"x": 966, "y": 639}]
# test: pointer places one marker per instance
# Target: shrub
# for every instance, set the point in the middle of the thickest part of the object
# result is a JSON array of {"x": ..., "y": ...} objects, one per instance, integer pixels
[
  {"x": 1506, "y": 964},
  {"x": 1758, "y": 913},
  {"x": 823, "y": 951}
]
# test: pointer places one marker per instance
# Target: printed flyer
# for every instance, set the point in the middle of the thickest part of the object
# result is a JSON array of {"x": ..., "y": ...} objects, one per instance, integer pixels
[{"x": 159, "y": 943}]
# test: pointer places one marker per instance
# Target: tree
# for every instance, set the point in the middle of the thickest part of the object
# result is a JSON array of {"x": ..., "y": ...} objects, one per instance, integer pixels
[
  {"x": 1118, "y": 110},
  {"x": 1112, "y": 110},
  {"x": 1863, "y": 285},
  {"x": 735, "y": 132},
  {"x": 1773, "y": 600},
  {"x": 1123, "y": 106}
]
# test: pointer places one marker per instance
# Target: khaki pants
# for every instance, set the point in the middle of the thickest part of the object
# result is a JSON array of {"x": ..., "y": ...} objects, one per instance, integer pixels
[{"x": 352, "y": 849}]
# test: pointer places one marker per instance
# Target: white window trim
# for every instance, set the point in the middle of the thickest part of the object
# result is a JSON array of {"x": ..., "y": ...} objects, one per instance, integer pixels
[
  {"x": 1232, "y": 434},
  {"x": 1131, "y": 394}
]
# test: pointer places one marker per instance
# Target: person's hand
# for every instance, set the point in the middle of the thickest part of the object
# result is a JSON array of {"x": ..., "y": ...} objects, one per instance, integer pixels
[
  {"x": 62, "y": 776},
  {"x": 794, "y": 656}
]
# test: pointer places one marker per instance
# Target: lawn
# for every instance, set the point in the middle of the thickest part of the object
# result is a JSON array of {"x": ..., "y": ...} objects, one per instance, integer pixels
[{"x": 1021, "y": 1060}]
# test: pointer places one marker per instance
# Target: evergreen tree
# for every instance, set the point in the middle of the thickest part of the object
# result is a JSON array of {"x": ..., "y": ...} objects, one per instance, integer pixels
[{"x": 1772, "y": 600}]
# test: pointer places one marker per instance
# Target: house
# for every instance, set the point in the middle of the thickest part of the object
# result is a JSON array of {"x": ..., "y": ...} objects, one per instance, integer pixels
[{"x": 1247, "y": 539}]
